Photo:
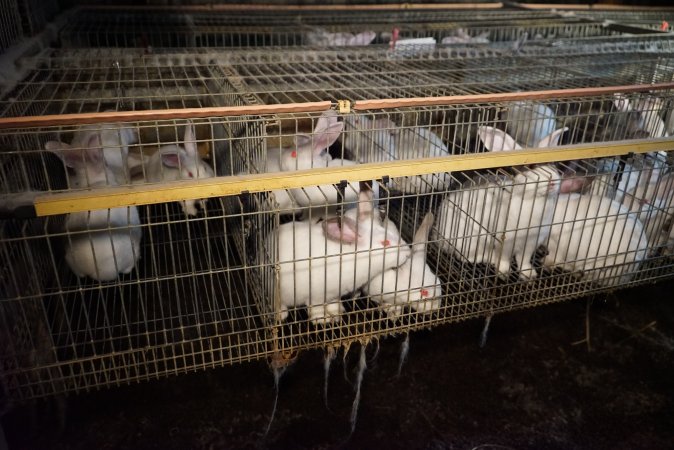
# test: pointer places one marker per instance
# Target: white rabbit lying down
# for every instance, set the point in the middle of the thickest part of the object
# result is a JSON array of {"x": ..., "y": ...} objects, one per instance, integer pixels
[
  {"x": 412, "y": 284},
  {"x": 321, "y": 262},
  {"x": 110, "y": 242},
  {"x": 596, "y": 236},
  {"x": 323, "y": 38}
]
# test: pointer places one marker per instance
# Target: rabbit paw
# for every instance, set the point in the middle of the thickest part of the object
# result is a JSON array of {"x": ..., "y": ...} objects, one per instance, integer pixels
[
  {"x": 394, "y": 312},
  {"x": 189, "y": 208},
  {"x": 284, "y": 313},
  {"x": 428, "y": 306},
  {"x": 325, "y": 313}
]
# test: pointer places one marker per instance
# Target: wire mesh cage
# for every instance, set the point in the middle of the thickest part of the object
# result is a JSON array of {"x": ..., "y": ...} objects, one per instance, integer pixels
[
  {"x": 280, "y": 269},
  {"x": 91, "y": 28},
  {"x": 170, "y": 209}
]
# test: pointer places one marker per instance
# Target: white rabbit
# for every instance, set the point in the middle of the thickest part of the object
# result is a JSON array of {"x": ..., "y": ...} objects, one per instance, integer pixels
[
  {"x": 105, "y": 242},
  {"x": 115, "y": 140},
  {"x": 323, "y": 38},
  {"x": 653, "y": 201},
  {"x": 411, "y": 284},
  {"x": 176, "y": 162},
  {"x": 532, "y": 203},
  {"x": 369, "y": 140},
  {"x": 321, "y": 262},
  {"x": 381, "y": 139},
  {"x": 597, "y": 236},
  {"x": 644, "y": 114},
  {"x": 529, "y": 122},
  {"x": 468, "y": 218},
  {"x": 462, "y": 37},
  {"x": 311, "y": 152}
]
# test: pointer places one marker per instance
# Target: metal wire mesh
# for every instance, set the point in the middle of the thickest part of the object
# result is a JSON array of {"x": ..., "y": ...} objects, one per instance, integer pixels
[
  {"x": 10, "y": 24},
  {"x": 213, "y": 288},
  {"x": 80, "y": 83},
  {"x": 147, "y": 29}
]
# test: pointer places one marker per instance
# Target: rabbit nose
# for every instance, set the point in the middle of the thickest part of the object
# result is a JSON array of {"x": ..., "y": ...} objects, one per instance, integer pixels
[
  {"x": 424, "y": 293},
  {"x": 385, "y": 242}
]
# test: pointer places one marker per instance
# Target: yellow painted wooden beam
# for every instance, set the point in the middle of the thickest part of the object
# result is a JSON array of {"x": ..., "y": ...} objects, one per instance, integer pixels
[{"x": 112, "y": 197}]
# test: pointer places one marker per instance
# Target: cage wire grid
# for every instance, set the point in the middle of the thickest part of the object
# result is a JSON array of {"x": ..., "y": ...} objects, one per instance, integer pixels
[
  {"x": 139, "y": 31},
  {"x": 79, "y": 84},
  {"x": 204, "y": 290}
]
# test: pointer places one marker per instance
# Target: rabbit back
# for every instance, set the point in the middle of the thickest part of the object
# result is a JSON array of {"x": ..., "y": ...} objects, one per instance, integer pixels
[{"x": 594, "y": 232}]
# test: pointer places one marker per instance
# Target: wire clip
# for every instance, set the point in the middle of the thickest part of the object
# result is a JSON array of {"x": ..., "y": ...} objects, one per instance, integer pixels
[{"x": 344, "y": 106}]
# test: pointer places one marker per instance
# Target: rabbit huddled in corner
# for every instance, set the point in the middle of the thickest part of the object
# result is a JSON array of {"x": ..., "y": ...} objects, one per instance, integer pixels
[
  {"x": 501, "y": 220},
  {"x": 320, "y": 262},
  {"x": 411, "y": 284},
  {"x": 114, "y": 139},
  {"x": 596, "y": 236},
  {"x": 104, "y": 242},
  {"x": 179, "y": 162},
  {"x": 374, "y": 140}
]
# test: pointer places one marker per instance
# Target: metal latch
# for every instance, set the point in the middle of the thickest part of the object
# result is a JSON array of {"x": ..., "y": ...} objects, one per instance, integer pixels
[{"x": 344, "y": 106}]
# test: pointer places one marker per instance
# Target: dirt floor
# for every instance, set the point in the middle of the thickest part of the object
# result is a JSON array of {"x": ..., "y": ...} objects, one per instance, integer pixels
[{"x": 531, "y": 386}]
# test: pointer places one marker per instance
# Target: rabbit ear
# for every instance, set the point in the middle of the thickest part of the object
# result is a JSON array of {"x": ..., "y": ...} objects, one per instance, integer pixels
[
  {"x": 342, "y": 229},
  {"x": 170, "y": 160},
  {"x": 496, "y": 140},
  {"x": 421, "y": 236},
  {"x": 78, "y": 158},
  {"x": 189, "y": 140},
  {"x": 621, "y": 103},
  {"x": 552, "y": 140}
]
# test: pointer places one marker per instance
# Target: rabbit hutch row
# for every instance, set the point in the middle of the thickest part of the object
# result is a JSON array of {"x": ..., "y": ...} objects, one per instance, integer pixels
[{"x": 219, "y": 188}]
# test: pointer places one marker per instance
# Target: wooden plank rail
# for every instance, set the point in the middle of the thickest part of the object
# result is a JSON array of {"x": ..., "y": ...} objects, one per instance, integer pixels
[{"x": 84, "y": 200}]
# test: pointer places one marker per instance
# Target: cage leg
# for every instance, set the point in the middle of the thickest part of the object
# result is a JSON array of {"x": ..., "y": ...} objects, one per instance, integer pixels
[
  {"x": 362, "y": 365},
  {"x": 586, "y": 340},
  {"x": 278, "y": 372},
  {"x": 404, "y": 350},
  {"x": 330, "y": 356},
  {"x": 485, "y": 331}
]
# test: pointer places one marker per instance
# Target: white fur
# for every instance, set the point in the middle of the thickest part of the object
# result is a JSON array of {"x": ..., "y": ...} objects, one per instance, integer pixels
[
  {"x": 317, "y": 267},
  {"x": 596, "y": 236},
  {"x": 530, "y": 207},
  {"x": 529, "y": 122},
  {"x": 411, "y": 284},
  {"x": 382, "y": 140},
  {"x": 114, "y": 138},
  {"x": 176, "y": 162},
  {"x": 106, "y": 242}
]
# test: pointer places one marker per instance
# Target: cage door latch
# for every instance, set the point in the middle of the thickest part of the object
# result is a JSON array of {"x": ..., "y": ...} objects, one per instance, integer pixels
[{"x": 344, "y": 106}]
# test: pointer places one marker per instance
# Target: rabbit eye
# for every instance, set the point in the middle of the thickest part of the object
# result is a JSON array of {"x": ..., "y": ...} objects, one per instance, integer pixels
[
  {"x": 293, "y": 154},
  {"x": 190, "y": 174},
  {"x": 385, "y": 242},
  {"x": 424, "y": 293}
]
